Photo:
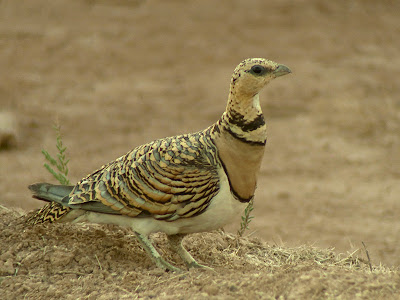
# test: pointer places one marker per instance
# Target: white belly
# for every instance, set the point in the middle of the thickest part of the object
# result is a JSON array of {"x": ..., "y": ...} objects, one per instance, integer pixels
[{"x": 222, "y": 209}]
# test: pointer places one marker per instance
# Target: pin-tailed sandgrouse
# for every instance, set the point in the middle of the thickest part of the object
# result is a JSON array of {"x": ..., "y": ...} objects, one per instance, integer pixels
[{"x": 178, "y": 185}]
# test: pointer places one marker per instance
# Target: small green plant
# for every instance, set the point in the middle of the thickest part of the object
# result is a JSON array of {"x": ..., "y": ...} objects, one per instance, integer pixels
[
  {"x": 61, "y": 162},
  {"x": 246, "y": 219}
]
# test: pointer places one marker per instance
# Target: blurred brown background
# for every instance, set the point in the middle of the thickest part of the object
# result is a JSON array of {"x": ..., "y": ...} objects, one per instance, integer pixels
[{"x": 117, "y": 74}]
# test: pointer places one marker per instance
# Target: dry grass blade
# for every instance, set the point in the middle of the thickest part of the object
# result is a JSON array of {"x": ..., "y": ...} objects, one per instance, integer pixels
[{"x": 369, "y": 259}]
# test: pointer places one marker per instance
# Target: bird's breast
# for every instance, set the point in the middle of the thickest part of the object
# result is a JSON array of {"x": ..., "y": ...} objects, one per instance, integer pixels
[{"x": 241, "y": 162}]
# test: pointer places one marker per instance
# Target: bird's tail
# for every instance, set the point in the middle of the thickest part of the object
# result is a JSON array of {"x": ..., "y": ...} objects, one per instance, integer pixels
[
  {"x": 50, "y": 192},
  {"x": 52, "y": 211}
]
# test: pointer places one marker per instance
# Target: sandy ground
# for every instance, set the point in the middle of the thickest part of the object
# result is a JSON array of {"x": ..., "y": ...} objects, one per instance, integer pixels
[
  {"x": 117, "y": 74},
  {"x": 61, "y": 261}
]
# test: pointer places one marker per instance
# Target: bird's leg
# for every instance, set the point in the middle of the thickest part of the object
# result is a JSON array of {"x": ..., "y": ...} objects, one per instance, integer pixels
[
  {"x": 175, "y": 242},
  {"x": 155, "y": 256}
]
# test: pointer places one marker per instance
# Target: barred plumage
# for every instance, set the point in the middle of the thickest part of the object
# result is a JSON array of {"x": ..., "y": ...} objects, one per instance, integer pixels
[
  {"x": 49, "y": 213},
  {"x": 170, "y": 178},
  {"x": 177, "y": 185}
]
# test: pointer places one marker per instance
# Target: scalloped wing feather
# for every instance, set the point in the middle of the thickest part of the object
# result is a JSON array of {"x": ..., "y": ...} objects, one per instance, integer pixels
[{"x": 167, "y": 179}]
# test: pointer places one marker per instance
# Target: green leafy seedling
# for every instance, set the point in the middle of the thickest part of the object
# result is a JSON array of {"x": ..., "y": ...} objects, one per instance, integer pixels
[
  {"x": 246, "y": 219},
  {"x": 58, "y": 167}
]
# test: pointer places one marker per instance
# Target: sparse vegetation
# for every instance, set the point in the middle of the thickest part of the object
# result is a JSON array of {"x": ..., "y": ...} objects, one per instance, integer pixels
[
  {"x": 246, "y": 219},
  {"x": 61, "y": 163}
]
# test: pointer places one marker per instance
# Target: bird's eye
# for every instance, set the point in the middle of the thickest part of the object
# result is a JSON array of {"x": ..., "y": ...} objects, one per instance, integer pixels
[{"x": 258, "y": 70}]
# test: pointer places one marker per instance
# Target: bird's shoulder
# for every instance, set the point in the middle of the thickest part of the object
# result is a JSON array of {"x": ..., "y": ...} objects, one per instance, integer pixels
[{"x": 186, "y": 150}]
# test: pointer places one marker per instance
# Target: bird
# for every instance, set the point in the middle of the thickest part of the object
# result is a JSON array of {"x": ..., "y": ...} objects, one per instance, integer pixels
[{"x": 178, "y": 185}]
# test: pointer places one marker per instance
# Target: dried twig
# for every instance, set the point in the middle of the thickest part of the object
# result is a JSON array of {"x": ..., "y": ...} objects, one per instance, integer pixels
[
  {"x": 369, "y": 259},
  {"x": 98, "y": 261}
]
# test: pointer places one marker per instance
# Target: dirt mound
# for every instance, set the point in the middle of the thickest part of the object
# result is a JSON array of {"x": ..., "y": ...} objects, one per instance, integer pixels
[{"x": 106, "y": 262}]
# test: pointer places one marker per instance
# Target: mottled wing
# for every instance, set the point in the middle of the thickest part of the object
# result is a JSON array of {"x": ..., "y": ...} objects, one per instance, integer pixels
[{"x": 168, "y": 179}]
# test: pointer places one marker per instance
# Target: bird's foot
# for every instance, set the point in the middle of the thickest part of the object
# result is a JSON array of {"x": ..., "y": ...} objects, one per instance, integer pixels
[
  {"x": 195, "y": 265},
  {"x": 155, "y": 256},
  {"x": 166, "y": 266},
  {"x": 176, "y": 244}
]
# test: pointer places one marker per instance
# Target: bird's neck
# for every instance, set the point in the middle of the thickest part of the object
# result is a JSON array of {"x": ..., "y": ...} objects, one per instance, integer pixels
[
  {"x": 243, "y": 118},
  {"x": 240, "y": 137}
]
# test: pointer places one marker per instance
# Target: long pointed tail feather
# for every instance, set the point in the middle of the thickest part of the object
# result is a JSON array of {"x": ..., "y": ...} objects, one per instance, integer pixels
[
  {"x": 50, "y": 192},
  {"x": 52, "y": 211}
]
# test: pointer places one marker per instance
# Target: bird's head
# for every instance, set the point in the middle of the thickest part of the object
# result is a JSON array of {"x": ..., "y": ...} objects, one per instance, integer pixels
[{"x": 252, "y": 74}]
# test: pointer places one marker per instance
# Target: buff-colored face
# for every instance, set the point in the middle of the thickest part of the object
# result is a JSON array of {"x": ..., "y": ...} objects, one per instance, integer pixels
[{"x": 252, "y": 74}]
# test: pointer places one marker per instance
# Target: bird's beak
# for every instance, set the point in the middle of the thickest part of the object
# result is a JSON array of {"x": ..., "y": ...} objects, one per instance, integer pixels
[{"x": 281, "y": 70}]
